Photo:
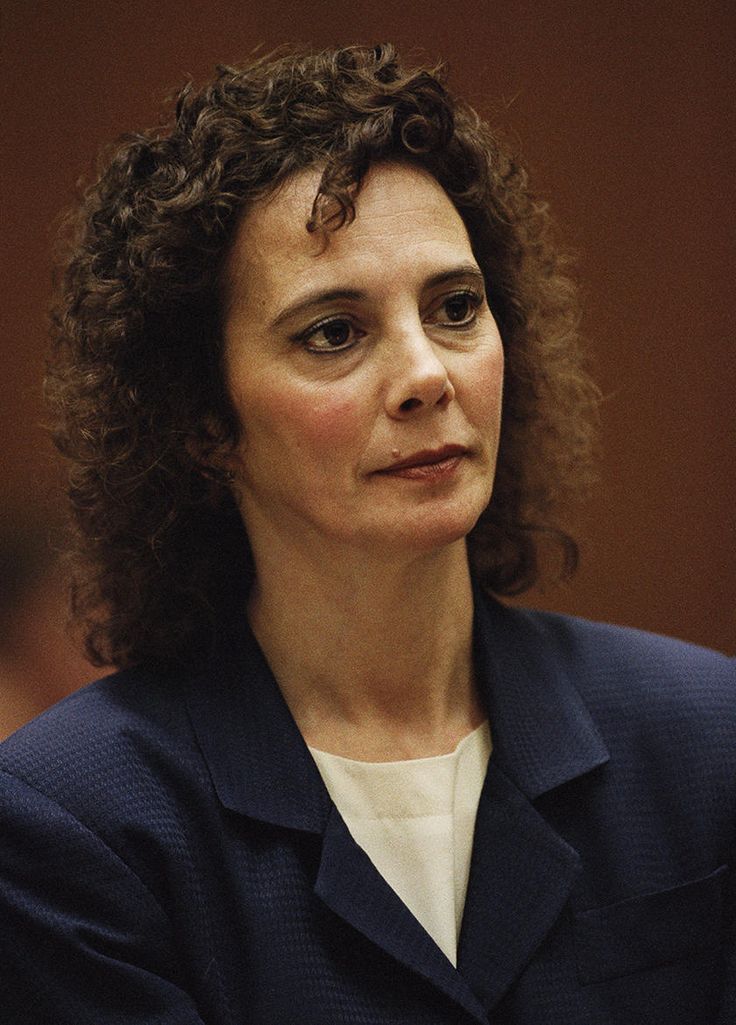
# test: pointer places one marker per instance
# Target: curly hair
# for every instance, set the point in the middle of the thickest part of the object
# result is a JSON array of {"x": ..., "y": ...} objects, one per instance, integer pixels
[{"x": 135, "y": 377}]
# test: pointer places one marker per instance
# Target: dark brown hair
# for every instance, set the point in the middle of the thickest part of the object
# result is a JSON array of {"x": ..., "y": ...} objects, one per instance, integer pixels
[{"x": 135, "y": 378}]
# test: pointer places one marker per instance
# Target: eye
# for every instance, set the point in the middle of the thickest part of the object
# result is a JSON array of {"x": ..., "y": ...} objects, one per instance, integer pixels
[
  {"x": 333, "y": 335},
  {"x": 457, "y": 310}
]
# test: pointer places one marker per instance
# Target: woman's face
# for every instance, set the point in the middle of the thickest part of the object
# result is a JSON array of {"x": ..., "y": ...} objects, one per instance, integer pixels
[{"x": 366, "y": 370}]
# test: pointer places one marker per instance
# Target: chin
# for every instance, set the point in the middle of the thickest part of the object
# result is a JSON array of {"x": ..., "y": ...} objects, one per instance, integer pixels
[{"x": 425, "y": 536}]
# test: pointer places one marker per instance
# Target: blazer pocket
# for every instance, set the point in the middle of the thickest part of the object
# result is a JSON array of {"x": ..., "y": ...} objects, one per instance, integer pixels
[{"x": 650, "y": 930}]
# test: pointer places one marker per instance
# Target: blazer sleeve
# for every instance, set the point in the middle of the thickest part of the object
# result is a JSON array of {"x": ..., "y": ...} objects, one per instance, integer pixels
[{"x": 82, "y": 939}]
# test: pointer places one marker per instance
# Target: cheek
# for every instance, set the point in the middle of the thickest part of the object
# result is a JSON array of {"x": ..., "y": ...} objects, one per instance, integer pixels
[
  {"x": 311, "y": 420},
  {"x": 484, "y": 385}
]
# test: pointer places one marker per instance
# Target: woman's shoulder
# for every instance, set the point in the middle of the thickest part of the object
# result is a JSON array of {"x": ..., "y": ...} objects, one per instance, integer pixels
[
  {"x": 622, "y": 671},
  {"x": 629, "y": 648},
  {"x": 589, "y": 639},
  {"x": 663, "y": 708},
  {"x": 613, "y": 666},
  {"x": 101, "y": 742}
]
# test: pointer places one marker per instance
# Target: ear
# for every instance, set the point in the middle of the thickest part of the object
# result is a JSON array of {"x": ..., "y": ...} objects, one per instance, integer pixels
[{"x": 214, "y": 451}]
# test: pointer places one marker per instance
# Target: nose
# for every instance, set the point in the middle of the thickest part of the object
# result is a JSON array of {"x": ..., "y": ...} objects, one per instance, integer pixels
[{"x": 419, "y": 379}]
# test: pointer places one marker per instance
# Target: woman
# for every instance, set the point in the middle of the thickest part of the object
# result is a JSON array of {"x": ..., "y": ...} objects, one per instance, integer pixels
[{"x": 316, "y": 370}]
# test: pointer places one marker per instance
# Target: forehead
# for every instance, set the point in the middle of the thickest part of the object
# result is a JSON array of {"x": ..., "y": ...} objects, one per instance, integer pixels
[{"x": 403, "y": 220}]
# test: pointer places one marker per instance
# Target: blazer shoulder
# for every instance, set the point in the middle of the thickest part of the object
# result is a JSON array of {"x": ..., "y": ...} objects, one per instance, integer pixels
[
  {"x": 626, "y": 672},
  {"x": 100, "y": 739},
  {"x": 632, "y": 645}
]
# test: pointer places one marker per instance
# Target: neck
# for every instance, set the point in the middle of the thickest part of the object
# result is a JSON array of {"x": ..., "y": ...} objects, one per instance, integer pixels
[{"x": 383, "y": 667}]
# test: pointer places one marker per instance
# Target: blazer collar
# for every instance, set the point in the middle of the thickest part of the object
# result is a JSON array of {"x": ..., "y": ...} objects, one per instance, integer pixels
[
  {"x": 522, "y": 871},
  {"x": 543, "y": 735},
  {"x": 261, "y": 767},
  {"x": 259, "y": 763}
]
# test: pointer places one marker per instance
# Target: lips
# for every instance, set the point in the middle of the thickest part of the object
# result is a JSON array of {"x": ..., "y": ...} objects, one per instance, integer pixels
[{"x": 428, "y": 460}]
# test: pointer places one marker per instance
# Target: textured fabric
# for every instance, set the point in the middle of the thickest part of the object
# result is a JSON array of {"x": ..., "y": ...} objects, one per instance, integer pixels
[
  {"x": 415, "y": 821},
  {"x": 170, "y": 854}
]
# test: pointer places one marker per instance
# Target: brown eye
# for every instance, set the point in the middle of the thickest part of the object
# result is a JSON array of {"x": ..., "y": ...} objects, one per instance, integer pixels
[
  {"x": 459, "y": 308},
  {"x": 330, "y": 336},
  {"x": 337, "y": 333}
]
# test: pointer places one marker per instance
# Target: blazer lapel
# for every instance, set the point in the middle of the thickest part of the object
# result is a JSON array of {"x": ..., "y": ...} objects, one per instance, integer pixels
[
  {"x": 522, "y": 871},
  {"x": 351, "y": 886},
  {"x": 258, "y": 761},
  {"x": 261, "y": 767},
  {"x": 520, "y": 879}
]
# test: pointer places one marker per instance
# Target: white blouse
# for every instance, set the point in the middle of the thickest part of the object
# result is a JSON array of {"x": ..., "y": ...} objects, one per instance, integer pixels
[{"x": 415, "y": 820}]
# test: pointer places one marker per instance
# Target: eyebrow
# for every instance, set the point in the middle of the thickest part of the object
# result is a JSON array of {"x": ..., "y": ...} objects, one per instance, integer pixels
[{"x": 320, "y": 297}]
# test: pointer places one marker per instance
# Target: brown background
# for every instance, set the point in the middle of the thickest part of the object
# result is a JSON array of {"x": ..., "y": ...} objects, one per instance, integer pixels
[{"x": 622, "y": 109}]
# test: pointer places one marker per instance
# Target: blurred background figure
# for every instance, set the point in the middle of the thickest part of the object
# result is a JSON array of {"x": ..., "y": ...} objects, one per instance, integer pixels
[{"x": 39, "y": 662}]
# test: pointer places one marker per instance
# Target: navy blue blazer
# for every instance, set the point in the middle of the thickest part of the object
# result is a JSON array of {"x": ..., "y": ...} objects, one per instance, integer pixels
[{"x": 170, "y": 856}]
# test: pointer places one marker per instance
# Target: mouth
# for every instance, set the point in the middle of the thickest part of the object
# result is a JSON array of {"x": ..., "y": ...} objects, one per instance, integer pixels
[{"x": 428, "y": 463}]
